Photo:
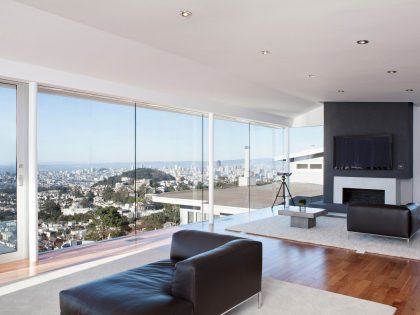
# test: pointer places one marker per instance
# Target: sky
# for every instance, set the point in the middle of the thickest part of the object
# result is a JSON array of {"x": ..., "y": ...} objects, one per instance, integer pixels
[
  {"x": 84, "y": 131},
  {"x": 7, "y": 125}
]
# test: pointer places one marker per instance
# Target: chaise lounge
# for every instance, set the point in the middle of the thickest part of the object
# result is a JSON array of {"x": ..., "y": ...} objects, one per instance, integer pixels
[{"x": 203, "y": 268}]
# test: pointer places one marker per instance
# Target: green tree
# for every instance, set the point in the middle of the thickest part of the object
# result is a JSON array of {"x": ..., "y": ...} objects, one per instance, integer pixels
[
  {"x": 107, "y": 221},
  {"x": 155, "y": 221},
  {"x": 77, "y": 192},
  {"x": 121, "y": 196},
  {"x": 69, "y": 203},
  {"x": 182, "y": 186},
  {"x": 108, "y": 193},
  {"x": 172, "y": 214},
  {"x": 141, "y": 191},
  {"x": 87, "y": 201},
  {"x": 221, "y": 182},
  {"x": 50, "y": 211}
]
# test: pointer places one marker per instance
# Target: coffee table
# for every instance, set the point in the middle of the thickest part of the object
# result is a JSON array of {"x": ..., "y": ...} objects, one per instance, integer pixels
[{"x": 302, "y": 218}]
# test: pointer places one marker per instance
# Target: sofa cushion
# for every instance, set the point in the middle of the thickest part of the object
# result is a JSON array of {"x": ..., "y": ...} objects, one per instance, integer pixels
[
  {"x": 188, "y": 243},
  {"x": 142, "y": 291}
]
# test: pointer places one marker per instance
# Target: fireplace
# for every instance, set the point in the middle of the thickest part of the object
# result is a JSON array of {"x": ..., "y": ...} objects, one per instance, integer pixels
[
  {"x": 358, "y": 195},
  {"x": 397, "y": 191}
]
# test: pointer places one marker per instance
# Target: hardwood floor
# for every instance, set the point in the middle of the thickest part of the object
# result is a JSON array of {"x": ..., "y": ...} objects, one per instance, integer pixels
[
  {"x": 382, "y": 279},
  {"x": 371, "y": 277}
]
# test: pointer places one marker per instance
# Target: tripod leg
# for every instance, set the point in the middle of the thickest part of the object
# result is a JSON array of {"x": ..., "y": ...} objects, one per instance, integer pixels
[
  {"x": 284, "y": 194},
  {"x": 277, "y": 196},
  {"x": 290, "y": 195}
]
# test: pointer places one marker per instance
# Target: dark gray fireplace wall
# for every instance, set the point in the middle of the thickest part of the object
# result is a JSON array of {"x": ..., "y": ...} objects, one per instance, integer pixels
[{"x": 366, "y": 118}]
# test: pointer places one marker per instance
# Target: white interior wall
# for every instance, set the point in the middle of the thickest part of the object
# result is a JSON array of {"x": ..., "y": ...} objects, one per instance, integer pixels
[{"x": 314, "y": 117}]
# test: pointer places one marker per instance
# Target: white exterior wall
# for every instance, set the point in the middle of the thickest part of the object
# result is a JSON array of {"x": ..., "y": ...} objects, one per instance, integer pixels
[{"x": 312, "y": 176}]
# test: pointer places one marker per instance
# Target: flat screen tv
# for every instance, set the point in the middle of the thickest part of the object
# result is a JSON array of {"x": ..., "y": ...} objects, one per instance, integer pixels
[{"x": 363, "y": 152}]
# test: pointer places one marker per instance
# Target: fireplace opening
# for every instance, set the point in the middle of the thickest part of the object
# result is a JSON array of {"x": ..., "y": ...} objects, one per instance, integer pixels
[{"x": 369, "y": 196}]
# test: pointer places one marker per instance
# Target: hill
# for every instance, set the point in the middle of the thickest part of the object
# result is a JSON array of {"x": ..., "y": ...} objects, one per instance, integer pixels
[{"x": 141, "y": 173}]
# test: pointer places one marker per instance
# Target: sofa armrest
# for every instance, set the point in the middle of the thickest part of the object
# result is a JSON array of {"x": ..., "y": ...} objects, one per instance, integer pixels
[
  {"x": 188, "y": 243},
  {"x": 415, "y": 217},
  {"x": 220, "y": 279}
]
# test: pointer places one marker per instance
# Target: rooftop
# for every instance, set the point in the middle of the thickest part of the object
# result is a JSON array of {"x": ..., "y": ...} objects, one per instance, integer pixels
[{"x": 260, "y": 196}]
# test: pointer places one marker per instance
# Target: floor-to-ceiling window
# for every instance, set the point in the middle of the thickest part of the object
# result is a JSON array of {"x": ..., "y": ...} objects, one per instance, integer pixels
[
  {"x": 307, "y": 163},
  {"x": 86, "y": 170},
  {"x": 110, "y": 169},
  {"x": 231, "y": 167},
  {"x": 8, "y": 195},
  {"x": 169, "y": 164},
  {"x": 266, "y": 150}
]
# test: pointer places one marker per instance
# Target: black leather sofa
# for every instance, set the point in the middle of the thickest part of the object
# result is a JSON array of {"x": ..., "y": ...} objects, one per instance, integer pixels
[
  {"x": 387, "y": 220},
  {"x": 206, "y": 274}
]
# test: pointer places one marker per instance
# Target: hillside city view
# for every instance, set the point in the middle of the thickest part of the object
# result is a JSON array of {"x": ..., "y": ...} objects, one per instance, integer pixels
[
  {"x": 78, "y": 206},
  {"x": 7, "y": 210}
]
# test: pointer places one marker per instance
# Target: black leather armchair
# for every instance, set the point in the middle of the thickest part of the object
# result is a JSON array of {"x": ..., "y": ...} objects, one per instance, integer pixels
[
  {"x": 206, "y": 274},
  {"x": 386, "y": 220}
]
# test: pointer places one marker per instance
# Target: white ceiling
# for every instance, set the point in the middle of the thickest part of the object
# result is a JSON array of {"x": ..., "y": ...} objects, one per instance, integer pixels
[{"x": 214, "y": 55}]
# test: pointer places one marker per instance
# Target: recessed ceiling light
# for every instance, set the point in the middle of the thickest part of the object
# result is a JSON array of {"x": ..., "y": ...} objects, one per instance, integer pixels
[
  {"x": 363, "y": 42},
  {"x": 265, "y": 52},
  {"x": 392, "y": 71},
  {"x": 340, "y": 91},
  {"x": 409, "y": 90},
  {"x": 186, "y": 13},
  {"x": 311, "y": 75}
]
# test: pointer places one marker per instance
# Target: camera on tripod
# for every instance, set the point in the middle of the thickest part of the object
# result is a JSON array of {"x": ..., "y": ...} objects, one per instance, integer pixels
[
  {"x": 284, "y": 174},
  {"x": 283, "y": 191}
]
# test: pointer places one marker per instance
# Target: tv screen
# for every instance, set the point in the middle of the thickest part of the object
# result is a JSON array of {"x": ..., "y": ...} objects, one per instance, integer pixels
[{"x": 363, "y": 152}]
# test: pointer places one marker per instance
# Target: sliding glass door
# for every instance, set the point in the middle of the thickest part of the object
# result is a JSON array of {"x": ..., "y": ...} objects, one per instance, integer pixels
[{"x": 8, "y": 194}]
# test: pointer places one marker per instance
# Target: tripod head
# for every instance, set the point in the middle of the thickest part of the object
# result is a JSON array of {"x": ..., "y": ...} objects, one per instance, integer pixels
[{"x": 284, "y": 175}]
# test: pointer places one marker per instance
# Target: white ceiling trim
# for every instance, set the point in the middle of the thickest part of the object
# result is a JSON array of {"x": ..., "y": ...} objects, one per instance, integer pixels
[{"x": 12, "y": 70}]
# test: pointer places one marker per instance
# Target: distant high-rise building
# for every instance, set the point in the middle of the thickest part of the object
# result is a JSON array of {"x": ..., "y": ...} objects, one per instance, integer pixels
[
  {"x": 246, "y": 166},
  {"x": 246, "y": 179}
]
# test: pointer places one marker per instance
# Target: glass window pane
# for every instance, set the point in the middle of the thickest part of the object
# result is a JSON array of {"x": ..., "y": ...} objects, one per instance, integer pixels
[
  {"x": 231, "y": 167},
  {"x": 86, "y": 170},
  {"x": 8, "y": 200},
  {"x": 169, "y": 156},
  {"x": 266, "y": 160}
]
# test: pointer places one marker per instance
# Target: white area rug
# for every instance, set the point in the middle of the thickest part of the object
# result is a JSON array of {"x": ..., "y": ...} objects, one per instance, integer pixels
[
  {"x": 331, "y": 231},
  {"x": 281, "y": 297}
]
